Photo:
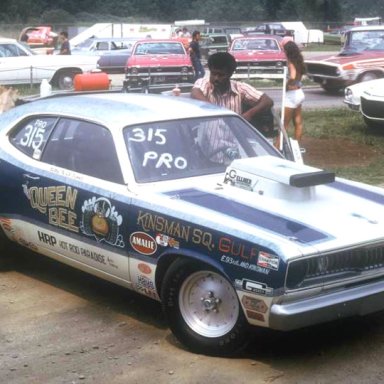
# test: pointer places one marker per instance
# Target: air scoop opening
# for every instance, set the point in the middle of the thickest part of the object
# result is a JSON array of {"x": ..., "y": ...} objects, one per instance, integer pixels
[{"x": 310, "y": 179}]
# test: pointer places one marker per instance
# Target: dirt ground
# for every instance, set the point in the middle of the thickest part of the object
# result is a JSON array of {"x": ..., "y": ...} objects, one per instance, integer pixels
[
  {"x": 330, "y": 153},
  {"x": 61, "y": 326}
]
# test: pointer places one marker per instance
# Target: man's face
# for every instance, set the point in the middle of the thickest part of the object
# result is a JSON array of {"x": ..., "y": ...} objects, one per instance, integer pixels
[{"x": 220, "y": 79}]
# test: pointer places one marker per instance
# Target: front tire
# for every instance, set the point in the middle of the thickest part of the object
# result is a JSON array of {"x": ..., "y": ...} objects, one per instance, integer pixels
[
  {"x": 65, "y": 79},
  {"x": 202, "y": 309},
  {"x": 332, "y": 90}
]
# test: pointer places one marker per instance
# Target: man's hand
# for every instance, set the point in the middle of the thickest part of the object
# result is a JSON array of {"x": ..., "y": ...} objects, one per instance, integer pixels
[{"x": 264, "y": 103}]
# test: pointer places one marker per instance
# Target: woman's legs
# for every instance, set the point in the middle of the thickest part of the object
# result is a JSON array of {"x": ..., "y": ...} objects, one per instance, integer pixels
[
  {"x": 298, "y": 123},
  {"x": 295, "y": 115}
]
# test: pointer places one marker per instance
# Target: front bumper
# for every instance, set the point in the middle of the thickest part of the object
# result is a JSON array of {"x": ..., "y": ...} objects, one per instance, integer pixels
[{"x": 356, "y": 301}]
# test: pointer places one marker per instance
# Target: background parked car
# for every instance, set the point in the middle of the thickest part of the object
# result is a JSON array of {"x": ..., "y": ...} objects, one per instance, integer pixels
[
  {"x": 213, "y": 43},
  {"x": 158, "y": 64},
  {"x": 40, "y": 36},
  {"x": 368, "y": 98},
  {"x": 113, "y": 51},
  {"x": 20, "y": 65},
  {"x": 361, "y": 59},
  {"x": 258, "y": 56}
]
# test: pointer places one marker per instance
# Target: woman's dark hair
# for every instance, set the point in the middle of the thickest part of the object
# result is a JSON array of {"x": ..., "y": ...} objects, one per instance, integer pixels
[
  {"x": 222, "y": 60},
  {"x": 294, "y": 55}
]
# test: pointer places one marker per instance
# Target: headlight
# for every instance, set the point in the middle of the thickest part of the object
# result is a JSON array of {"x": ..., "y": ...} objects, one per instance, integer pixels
[
  {"x": 134, "y": 71},
  {"x": 348, "y": 94},
  {"x": 279, "y": 64},
  {"x": 184, "y": 70}
]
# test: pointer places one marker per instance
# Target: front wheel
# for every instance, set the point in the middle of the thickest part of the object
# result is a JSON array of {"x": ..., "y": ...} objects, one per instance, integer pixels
[
  {"x": 332, "y": 90},
  {"x": 368, "y": 76},
  {"x": 203, "y": 309},
  {"x": 64, "y": 79}
]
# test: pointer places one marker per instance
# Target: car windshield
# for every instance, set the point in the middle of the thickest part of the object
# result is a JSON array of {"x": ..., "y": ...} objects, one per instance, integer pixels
[
  {"x": 364, "y": 40},
  {"x": 255, "y": 44},
  {"x": 191, "y": 147},
  {"x": 157, "y": 48}
]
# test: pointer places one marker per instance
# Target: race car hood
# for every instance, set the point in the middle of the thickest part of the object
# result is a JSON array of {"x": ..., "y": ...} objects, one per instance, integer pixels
[
  {"x": 288, "y": 203},
  {"x": 159, "y": 60},
  {"x": 375, "y": 89},
  {"x": 345, "y": 57}
]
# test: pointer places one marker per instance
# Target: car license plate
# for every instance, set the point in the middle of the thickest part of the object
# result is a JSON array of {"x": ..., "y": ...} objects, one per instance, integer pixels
[{"x": 159, "y": 79}]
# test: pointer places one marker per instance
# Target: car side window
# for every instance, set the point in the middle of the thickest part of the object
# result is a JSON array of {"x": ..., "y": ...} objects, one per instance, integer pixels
[
  {"x": 84, "y": 147},
  {"x": 31, "y": 135},
  {"x": 103, "y": 46}
]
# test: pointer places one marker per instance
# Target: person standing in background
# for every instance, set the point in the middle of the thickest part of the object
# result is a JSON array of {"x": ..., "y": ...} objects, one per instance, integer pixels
[
  {"x": 294, "y": 95},
  {"x": 65, "y": 48},
  {"x": 195, "y": 54}
]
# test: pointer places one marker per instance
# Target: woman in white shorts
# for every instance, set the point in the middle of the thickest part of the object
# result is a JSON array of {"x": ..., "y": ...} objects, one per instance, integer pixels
[{"x": 294, "y": 95}]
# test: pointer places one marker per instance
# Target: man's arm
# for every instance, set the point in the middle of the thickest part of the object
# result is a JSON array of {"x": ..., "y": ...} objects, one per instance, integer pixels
[
  {"x": 263, "y": 104},
  {"x": 196, "y": 93}
]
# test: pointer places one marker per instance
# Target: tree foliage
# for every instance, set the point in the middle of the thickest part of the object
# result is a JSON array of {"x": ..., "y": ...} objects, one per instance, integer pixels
[{"x": 251, "y": 11}]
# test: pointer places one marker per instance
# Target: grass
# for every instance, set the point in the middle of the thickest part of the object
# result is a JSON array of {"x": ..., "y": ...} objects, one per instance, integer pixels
[{"x": 342, "y": 123}]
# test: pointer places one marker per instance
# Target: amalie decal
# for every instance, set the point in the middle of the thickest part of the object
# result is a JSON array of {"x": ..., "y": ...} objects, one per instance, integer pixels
[{"x": 143, "y": 243}]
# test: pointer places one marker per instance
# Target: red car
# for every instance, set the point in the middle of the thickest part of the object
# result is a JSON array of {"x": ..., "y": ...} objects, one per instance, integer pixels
[
  {"x": 361, "y": 59},
  {"x": 39, "y": 36},
  {"x": 259, "y": 56},
  {"x": 158, "y": 64}
]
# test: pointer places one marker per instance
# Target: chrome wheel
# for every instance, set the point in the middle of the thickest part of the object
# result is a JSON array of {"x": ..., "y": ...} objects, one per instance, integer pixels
[{"x": 208, "y": 304}]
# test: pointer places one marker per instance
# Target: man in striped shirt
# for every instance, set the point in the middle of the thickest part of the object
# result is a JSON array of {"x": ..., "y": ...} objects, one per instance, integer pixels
[
  {"x": 219, "y": 89},
  {"x": 242, "y": 98}
]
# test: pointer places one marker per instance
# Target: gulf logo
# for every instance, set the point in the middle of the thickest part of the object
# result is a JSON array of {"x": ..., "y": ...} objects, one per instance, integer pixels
[{"x": 143, "y": 243}]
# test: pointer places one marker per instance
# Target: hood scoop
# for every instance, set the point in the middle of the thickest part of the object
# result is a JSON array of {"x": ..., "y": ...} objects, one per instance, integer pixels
[{"x": 276, "y": 177}]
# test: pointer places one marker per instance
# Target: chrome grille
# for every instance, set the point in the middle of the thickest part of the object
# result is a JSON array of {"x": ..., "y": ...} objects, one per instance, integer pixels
[
  {"x": 321, "y": 69},
  {"x": 334, "y": 266},
  {"x": 372, "y": 108}
]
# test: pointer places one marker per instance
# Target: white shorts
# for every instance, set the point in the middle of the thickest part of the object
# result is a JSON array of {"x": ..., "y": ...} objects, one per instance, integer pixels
[{"x": 294, "y": 98}]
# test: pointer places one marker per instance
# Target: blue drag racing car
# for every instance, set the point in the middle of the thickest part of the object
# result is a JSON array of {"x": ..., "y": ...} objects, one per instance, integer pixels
[{"x": 187, "y": 203}]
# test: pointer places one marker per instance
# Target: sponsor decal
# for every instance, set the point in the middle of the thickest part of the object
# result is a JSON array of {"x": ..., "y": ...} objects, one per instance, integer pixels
[
  {"x": 58, "y": 202},
  {"x": 159, "y": 224},
  {"x": 267, "y": 260},
  {"x": 143, "y": 243},
  {"x": 255, "y": 316},
  {"x": 233, "y": 178},
  {"x": 237, "y": 249},
  {"x": 101, "y": 220},
  {"x": 244, "y": 264},
  {"x": 167, "y": 241},
  {"x": 254, "y": 304},
  {"x": 254, "y": 287},
  {"x": 144, "y": 268},
  {"x": 146, "y": 286}
]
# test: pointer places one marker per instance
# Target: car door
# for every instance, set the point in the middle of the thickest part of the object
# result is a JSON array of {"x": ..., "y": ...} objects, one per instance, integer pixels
[
  {"x": 69, "y": 207},
  {"x": 14, "y": 67}
]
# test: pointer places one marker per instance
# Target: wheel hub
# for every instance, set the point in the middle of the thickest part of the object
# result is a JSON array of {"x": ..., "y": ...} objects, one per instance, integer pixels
[{"x": 210, "y": 302}]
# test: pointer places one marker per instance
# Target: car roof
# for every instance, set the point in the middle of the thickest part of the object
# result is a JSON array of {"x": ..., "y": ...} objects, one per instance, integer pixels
[
  {"x": 367, "y": 28},
  {"x": 119, "y": 109},
  {"x": 94, "y": 38}
]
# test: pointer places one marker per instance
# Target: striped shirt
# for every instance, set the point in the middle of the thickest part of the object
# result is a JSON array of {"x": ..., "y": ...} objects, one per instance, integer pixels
[{"x": 238, "y": 94}]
